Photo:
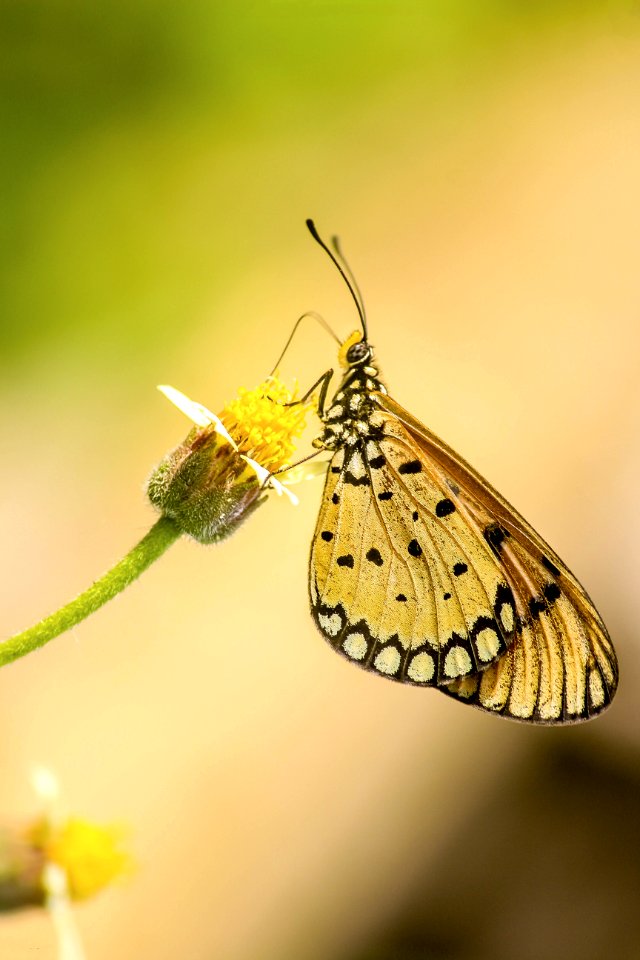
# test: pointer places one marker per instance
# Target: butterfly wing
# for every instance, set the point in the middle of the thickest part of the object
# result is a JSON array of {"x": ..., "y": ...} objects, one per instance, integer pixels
[
  {"x": 401, "y": 580},
  {"x": 562, "y": 666}
]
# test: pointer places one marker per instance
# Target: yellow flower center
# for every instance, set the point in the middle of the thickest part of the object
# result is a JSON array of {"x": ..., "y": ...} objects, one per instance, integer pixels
[{"x": 262, "y": 424}]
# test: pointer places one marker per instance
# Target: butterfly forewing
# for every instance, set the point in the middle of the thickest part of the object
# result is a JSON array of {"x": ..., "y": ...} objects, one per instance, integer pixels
[{"x": 401, "y": 581}]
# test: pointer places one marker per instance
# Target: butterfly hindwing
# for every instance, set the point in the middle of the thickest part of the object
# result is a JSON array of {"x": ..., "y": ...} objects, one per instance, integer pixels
[{"x": 562, "y": 666}]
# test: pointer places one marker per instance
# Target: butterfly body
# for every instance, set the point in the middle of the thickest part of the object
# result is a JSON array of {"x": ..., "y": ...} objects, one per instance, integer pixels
[
  {"x": 353, "y": 419},
  {"x": 420, "y": 571}
]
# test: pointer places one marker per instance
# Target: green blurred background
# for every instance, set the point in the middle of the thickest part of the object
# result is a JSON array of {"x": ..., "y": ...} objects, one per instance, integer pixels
[{"x": 480, "y": 163}]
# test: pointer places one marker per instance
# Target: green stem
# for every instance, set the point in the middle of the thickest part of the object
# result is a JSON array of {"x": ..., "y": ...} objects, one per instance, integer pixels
[{"x": 152, "y": 546}]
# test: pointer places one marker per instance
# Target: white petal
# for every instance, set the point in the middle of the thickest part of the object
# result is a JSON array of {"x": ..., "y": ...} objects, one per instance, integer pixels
[
  {"x": 201, "y": 415},
  {"x": 266, "y": 478}
]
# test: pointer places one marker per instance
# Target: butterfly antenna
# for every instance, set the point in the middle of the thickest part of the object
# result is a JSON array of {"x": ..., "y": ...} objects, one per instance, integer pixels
[
  {"x": 338, "y": 260},
  {"x": 315, "y": 316},
  {"x": 335, "y": 243}
]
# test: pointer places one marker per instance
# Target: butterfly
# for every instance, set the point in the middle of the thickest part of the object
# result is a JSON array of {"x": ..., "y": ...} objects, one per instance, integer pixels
[{"x": 420, "y": 571}]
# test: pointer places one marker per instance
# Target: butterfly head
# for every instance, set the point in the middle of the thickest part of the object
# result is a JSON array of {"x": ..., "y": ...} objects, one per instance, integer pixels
[{"x": 355, "y": 351}]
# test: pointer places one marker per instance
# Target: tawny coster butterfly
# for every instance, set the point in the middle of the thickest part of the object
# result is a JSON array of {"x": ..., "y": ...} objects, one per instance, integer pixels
[{"x": 421, "y": 571}]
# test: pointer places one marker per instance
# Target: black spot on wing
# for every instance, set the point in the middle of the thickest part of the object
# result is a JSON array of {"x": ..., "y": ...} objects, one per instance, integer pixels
[
  {"x": 401, "y": 598},
  {"x": 459, "y": 569},
  {"x": 414, "y": 548},
  {"x": 411, "y": 466},
  {"x": 415, "y": 514},
  {"x": 336, "y": 469},
  {"x": 494, "y": 534},
  {"x": 385, "y": 495},
  {"x": 335, "y": 498},
  {"x": 551, "y": 592},
  {"x": 327, "y": 536},
  {"x": 551, "y": 567},
  {"x": 504, "y": 594},
  {"x": 363, "y": 481},
  {"x": 446, "y": 596},
  {"x": 374, "y": 556},
  {"x": 345, "y": 561},
  {"x": 377, "y": 462},
  {"x": 536, "y": 607},
  {"x": 444, "y": 507}
]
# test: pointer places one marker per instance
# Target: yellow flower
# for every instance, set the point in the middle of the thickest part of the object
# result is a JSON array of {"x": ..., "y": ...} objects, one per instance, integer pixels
[
  {"x": 220, "y": 474},
  {"x": 90, "y": 855},
  {"x": 263, "y": 426}
]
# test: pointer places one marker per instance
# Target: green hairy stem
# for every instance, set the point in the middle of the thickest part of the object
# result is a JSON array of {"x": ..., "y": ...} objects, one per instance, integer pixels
[{"x": 147, "y": 551}]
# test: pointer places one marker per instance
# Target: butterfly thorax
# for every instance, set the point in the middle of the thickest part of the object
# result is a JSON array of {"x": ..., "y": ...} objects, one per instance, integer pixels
[{"x": 353, "y": 416}]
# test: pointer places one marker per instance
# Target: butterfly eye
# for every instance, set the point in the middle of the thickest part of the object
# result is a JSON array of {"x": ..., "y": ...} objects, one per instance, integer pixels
[{"x": 358, "y": 353}]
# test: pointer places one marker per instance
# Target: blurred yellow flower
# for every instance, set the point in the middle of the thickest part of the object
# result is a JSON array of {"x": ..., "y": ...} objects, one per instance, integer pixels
[
  {"x": 52, "y": 861},
  {"x": 90, "y": 854}
]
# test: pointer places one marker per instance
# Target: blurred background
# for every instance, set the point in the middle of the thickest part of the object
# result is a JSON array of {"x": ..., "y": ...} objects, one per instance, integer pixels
[{"x": 480, "y": 161}]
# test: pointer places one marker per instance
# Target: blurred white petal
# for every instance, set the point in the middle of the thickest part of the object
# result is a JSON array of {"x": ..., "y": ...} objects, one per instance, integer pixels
[{"x": 59, "y": 906}]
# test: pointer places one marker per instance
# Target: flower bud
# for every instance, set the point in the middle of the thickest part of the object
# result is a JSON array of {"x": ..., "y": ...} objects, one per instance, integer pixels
[{"x": 205, "y": 486}]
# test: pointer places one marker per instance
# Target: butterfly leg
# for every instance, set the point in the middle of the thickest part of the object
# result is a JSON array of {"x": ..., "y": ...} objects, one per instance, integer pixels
[
  {"x": 292, "y": 466},
  {"x": 322, "y": 382}
]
